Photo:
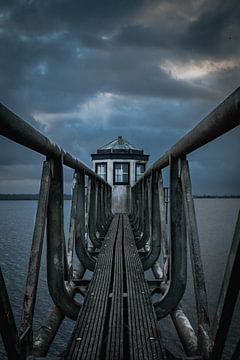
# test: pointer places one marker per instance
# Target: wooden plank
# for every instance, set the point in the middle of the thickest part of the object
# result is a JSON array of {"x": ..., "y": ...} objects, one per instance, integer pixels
[
  {"x": 115, "y": 343},
  {"x": 144, "y": 334},
  {"x": 117, "y": 319},
  {"x": 87, "y": 337}
]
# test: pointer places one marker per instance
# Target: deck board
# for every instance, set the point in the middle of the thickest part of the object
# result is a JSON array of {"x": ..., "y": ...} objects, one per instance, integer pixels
[
  {"x": 116, "y": 322},
  {"x": 145, "y": 338},
  {"x": 117, "y": 319},
  {"x": 87, "y": 337}
]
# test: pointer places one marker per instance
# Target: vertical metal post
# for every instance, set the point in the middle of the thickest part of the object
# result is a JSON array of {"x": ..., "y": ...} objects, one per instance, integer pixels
[
  {"x": 99, "y": 210},
  {"x": 204, "y": 338},
  {"x": 178, "y": 246},
  {"x": 51, "y": 324},
  {"x": 142, "y": 197},
  {"x": 236, "y": 353},
  {"x": 109, "y": 203},
  {"x": 34, "y": 261},
  {"x": 103, "y": 209},
  {"x": 228, "y": 296},
  {"x": 182, "y": 324},
  {"x": 154, "y": 253},
  {"x": 80, "y": 246},
  {"x": 149, "y": 204},
  {"x": 132, "y": 212},
  {"x": 162, "y": 220},
  {"x": 135, "y": 221},
  {"x": 166, "y": 201},
  {"x": 8, "y": 327},
  {"x": 92, "y": 214},
  {"x": 101, "y": 217},
  {"x": 72, "y": 228},
  {"x": 146, "y": 226},
  {"x": 56, "y": 244},
  {"x": 106, "y": 208}
]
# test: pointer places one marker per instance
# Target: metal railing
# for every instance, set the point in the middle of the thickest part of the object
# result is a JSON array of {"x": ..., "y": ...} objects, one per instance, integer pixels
[
  {"x": 90, "y": 217},
  {"x": 62, "y": 283},
  {"x": 148, "y": 219}
]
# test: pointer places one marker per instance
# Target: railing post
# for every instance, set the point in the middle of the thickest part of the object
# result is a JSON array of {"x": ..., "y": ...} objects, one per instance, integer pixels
[
  {"x": 80, "y": 245},
  {"x": 135, "y": 220},
  {"x": 132, "y": 212},
  {"x": 204, "y": 338},
  {"x": 34, "y": 261},
  {"x": 8, "y": 327},
  {"x": 51, "y": 324},
  {"x": 155, "y": 236},
  {"x": 92, "y": 214},
  {"x": 228, "y": 297},
  {"x": 146, "y": 232},
  {"x": 72, "y": 229},
  {"x": 101, "y": 217},
  {"x": 98, "y": 210},
  {"x": 182, "y": 324},
  {"x": 103, "y": 209},
  {"x": 149, "y": 204},
  {"x": 109, "y": 203},
  {"x": 139, "y": 234},
  {"x": 141, "y": 209},
  {"x": 163, "y": 215},
  {"x": 178, "y": 246},
  {"x": 56, "y": 244}
]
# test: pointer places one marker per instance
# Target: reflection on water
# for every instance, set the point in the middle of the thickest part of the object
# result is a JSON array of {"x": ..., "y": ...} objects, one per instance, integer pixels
[{"x": 216, "y": 220}]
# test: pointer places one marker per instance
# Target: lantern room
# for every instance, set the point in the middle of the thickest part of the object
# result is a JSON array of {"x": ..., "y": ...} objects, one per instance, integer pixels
[{"x": 121, "y": 164}]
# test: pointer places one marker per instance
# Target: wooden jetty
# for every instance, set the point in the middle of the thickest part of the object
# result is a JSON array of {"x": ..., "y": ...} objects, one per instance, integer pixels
[{"x": 118, "y": 318}]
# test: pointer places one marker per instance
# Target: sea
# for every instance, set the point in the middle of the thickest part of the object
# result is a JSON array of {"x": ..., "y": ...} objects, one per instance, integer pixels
[{"x": 216, "y": 220}]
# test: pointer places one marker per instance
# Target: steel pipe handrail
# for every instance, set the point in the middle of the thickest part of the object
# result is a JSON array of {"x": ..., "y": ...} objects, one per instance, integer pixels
[
  {"x": 223, "y": 118},
  {"x": 18, "y": 130}
]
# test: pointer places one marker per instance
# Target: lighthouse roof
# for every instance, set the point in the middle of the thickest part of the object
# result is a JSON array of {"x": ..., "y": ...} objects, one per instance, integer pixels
[
  {"x": 119, "y": 149},
  {"x": 118, "y": 144}
]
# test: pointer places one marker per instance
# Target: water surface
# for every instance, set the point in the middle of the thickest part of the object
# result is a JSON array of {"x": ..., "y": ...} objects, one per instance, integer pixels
[{"x": 216, "y": 220}]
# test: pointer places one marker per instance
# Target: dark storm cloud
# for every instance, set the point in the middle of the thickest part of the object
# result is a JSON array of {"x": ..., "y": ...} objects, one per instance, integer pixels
[
  {"x": 86, "y": 72},
  {"x": 43, "y": 17},
  {"x": 215, "y": 32},
  {"x": 141, "y": 36}
]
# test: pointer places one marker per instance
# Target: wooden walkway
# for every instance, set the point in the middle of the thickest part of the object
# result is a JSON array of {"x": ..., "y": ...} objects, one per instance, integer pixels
[{"x": 117, "y": 319}]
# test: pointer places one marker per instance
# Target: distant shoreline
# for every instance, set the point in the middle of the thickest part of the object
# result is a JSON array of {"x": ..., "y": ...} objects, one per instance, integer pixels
[
  {"x": 216, "y": 196},
  {"x": 26, "y": 197},
  {"x": 69, "y": 197}
]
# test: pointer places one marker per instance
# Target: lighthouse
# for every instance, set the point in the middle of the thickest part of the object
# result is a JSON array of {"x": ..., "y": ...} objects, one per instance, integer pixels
[{"x": 121, "y": 164}]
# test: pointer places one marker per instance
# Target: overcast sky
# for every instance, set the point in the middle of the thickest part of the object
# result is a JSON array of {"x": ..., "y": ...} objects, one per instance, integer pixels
[{"x": 84, "y": 72}]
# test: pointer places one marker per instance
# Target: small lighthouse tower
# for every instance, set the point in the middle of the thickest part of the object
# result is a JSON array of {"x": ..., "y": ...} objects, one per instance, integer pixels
[{"x": 121, "y": 164}]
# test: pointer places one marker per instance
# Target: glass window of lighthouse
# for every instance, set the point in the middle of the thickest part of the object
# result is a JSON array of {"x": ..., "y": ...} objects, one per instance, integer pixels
[
  {"x": 140, "y": 168},
  {"x": 121, "y": 173},
  {"x": 101, "y": 170}
]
